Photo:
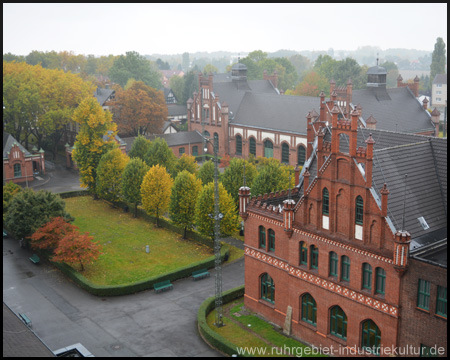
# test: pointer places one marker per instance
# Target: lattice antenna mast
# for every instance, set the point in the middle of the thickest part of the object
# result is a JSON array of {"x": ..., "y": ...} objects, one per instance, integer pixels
[{"x": 404, "y": 205}]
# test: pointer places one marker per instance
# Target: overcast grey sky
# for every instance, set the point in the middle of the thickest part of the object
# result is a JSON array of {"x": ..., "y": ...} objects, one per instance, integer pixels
[{"x": 110, "y": 28}]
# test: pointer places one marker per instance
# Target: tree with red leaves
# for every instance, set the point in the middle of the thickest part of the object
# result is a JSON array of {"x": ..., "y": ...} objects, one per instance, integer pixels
[
  {"x": 47, "y": 237},
  {"x": 76, "y": 247}
]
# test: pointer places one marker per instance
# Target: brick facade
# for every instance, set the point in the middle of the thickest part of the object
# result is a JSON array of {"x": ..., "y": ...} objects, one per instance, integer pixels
[{"x": 347, "y": 224}]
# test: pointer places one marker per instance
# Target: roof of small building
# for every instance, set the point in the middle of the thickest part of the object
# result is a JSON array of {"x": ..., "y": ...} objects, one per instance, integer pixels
[
  {"x": 8, "y": 143},
  {"x": 177, "y": 109},
  {"x": 376, "y": 70},
  {"x": 102, "y": 95},
  {"x": 440, "y": 79}
]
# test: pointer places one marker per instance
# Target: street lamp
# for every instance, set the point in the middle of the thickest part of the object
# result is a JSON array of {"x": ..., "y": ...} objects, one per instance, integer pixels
[{"x": 217, "y": 216}]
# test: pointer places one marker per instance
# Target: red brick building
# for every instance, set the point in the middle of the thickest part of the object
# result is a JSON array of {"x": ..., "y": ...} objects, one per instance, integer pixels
[
  {"x": 19, "y": 165},
  {"x": 252, "y": 117},
  {"x": 330, "y": 260}
]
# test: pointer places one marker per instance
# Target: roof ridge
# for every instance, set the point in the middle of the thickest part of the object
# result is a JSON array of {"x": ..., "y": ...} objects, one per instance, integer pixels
[{"x": 402, "y": 145}]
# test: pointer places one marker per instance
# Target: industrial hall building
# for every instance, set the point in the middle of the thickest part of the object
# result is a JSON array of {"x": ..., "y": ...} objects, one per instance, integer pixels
[
  {"x": 253, "y": 117},
  {"x": 354, "y": 257}
]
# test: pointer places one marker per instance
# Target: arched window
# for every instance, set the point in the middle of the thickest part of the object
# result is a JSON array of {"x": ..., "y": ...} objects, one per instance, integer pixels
[
  {"x": 267, "y": 288},
  {"x": 303, "y": 253},
  {"x": 309, "y": 309},
  {"x": 285, "y": 153},
  {"x": 314, "y": 257},
  {"x": 252, "y": 146},
  {"x": 238, "y": 145},
  {"x": 345, "y": 268},
  {"x": 370, "y": 337},
  {"x": 301, "y": 155},
  {"x": 206, "y": 134},
  {"x": 338, "y": 322},
  {"x": 271, "y": 240},
  {"x": 359, "y": 211},
  {"x": 268, "y": 149},
  {"x": 195, "y": 150},
  {"x": 380, "y": 280},
  {"x": 333, "y": 264},
  {"x": 262, "y": 237},
  {"x": 325, "y": 202},
  {"x": 367, "y": 276},
  {"x": 17, "y": 170}
]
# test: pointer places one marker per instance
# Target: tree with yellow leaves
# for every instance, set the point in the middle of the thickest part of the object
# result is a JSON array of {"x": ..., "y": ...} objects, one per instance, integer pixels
[
  {"x": 95, "y": 138},
  {"x": 155, "y": 190},
  {"x": 109, "y": 175}
]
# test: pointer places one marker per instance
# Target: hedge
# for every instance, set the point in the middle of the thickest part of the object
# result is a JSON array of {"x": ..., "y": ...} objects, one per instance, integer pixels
[
  {"x": 208, "y": 334},
  {"x": 147, "y": 284}
]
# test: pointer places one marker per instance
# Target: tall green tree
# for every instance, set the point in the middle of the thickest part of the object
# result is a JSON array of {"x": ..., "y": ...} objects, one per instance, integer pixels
[
  {"x": 438, "y": 59},
  {"x": 185, "y": 191},
  {"x": 185, "y": 162},
  {"x": 9, "y": 190},
  {"x": 272, "y": 176},
  {"x": 205, "y": 206},
  {"x": 29, "y": 210},
  {"x": 132, "y": 178},
  {"x": 109, "y": 175},
  {"x": 139, "y": 147},
  {"x": 90, "y": 145},
  {"x": 155, "y": 191},
  {"x": 177, "y": 86},
  {"x": 159, "y": 153},
  {"x": 190, "y": 85},
  {"x": 134, "y": 65},
  {"x": 206, "y": 172},
  {"x": 233, "y": 175}
]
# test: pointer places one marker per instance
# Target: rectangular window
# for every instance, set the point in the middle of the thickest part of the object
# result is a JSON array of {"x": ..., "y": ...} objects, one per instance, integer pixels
[
  {"x": 441, "y": 302},
  {"x": 438, "y": 92},
  {"x": 381, "y": 280},
  {"x": 195, "y": 150},
  {"x": 314, "y": 257},
  {"x": 17, "y": 170},
  {"x": 367, "y": 276},
  {"x": 423, "y": 296},
  {"x": 345, "y": 268},
  {"x": 333, "y": 264},
  {"x": 181, "y": 150}
]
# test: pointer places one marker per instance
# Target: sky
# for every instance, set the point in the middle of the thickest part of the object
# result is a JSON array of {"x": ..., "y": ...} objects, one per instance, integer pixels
[{"x": 103, "y": 29}]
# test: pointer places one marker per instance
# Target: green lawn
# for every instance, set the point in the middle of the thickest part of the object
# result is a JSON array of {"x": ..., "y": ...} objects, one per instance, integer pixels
[
  {"x": 247, "y": 330},
  {"x": 124, "y": 238}
]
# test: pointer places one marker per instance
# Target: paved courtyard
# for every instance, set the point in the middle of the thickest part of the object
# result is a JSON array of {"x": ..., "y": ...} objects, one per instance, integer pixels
[{"x": 142, "y": 324}]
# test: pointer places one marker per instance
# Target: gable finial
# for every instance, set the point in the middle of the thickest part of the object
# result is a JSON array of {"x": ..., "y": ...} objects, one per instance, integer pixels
[{"x": 377, "y": 59}]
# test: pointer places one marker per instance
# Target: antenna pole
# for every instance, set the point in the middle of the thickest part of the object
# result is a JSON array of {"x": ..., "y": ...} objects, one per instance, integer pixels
[{"x": 404, "y": 204}]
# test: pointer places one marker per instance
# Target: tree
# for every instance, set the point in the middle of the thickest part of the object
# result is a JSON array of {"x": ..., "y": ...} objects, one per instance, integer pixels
[
  {"x": 206, "y": 172},
  {"x": 10, "y": 189},
  {"x": 162, "y": 65},
  {"x": 205, "y": 206},
  {"x": 109, "y": 175},
  {"x": 185, "y": 61},
  {"x": 185, "y": 162},
  {"x": 190, "y": 85},
  {"x": 155, "y": 191},
  {"x": 438, "y": 59},
  {"x": 183, "y": 199},
  {"x": 209, "y": 68},
  {"x": 95, "y": 124},
  {"x": 77, "y": 248},
  {"x": 139, "y": 147},
  {"x": 301, "y": 64},
  {"x": 272, "y": 176},
  {"x": 392, "y": 73},
  {"x": 29, "y": 210},
  {"x": 139, "y": 110},
  {"x": 159, "y": 153},
  {"x": 311, "y": 85},
  {"x": 232, "y": 178},
  {"x": 47, "y": 237},
  {"x": 177, "y": 85},
  {"x": 132, "y": 178},
  {"x": 133, "y": 65}
]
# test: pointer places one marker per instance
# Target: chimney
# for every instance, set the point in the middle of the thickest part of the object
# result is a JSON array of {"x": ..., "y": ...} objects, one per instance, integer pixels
[
  {"x": 399, "y": 81},
  {"x": 401, "y": 250},
  {"x": 369, "y": 160},
  {"x": 425, "y": 103},
  {"x": 353, "y": 134},
  {"x": 349, "y": 95},
  {"x": 288, "y": 210},
  {"x": 384, "y": 200},
  {"x": 416, "y": 86},
  {"x": 334, "y": 135},
  {"x": 435, "y": 116},
  {"x": 371, "y": 122},
  {"x": 244, "y": 198}
]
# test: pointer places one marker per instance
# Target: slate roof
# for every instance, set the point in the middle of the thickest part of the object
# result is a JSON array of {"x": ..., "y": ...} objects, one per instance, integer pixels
[
  {"x": 402, "y": 112},
  {"x": 275, "y": 112},
  {"x": 19, "y": 340},
  {"x": 8, "y": 142},
  {"x": 177, "y": 139},
  {"x": 102, "y": 95},
  {"x": 440, "y": 79},
  {"x": 176, "y": 109}
]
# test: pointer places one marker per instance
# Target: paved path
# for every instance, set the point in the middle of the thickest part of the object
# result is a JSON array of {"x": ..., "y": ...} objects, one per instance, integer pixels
[{"x": 142, "y": 324}]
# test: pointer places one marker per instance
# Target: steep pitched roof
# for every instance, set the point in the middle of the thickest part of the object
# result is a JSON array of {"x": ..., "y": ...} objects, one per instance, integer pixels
[
  {"x": 8, "y": 142},
  {"x": 440, "y": 79},
  {"x": 102, "y": 95},
  {"x": 401, "y": 113},
  {"x": 177, "y": 110}
]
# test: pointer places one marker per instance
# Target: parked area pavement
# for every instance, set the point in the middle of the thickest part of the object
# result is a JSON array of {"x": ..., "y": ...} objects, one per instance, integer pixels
[{"x": 142, "y": 324}]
